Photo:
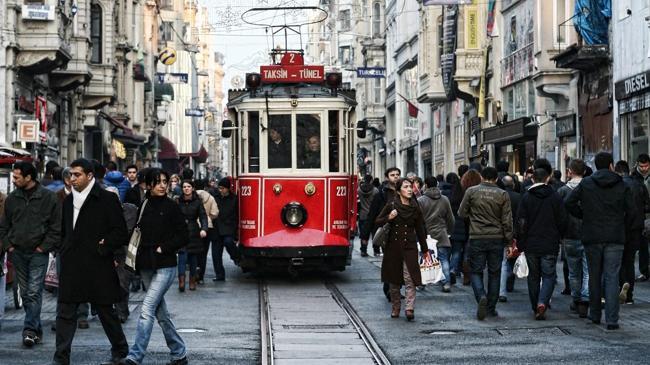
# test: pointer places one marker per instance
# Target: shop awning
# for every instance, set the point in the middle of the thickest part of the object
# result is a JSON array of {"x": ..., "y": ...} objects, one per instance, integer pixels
[
  {"x": 10, "y": 155},
  {"x": 200, "y": 156},
  {"x": 511, "y": 131},
  {"x": 116, "y": 122},
  {"x": 166, "y": 149},
  {"x": 129, "y": 139},
  {"x": 163, "y": 89}
]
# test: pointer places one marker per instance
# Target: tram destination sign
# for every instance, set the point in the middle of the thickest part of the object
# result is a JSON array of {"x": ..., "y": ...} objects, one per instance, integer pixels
[{"x": 292, "y": 74}]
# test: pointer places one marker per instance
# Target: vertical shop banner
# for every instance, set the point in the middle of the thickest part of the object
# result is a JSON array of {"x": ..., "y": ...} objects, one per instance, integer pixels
[{"x": 471, "y": 24}]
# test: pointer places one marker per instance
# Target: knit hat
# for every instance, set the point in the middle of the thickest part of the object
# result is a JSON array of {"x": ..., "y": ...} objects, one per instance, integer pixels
[{"x": 225, "y": 182}]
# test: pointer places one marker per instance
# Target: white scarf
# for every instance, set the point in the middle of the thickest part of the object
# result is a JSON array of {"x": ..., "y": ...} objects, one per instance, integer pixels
[{"x": 78, "y": 199}]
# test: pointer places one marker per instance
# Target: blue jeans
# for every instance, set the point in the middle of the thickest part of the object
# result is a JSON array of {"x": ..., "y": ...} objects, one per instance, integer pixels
[
  {"x": 457, "y": 248},
  {"x": 482, "y": 252},
  {"x": 578, "y": 270},
  {"x": 444, "y": 254},
  {"x": 604, "y": 260},
  {"x": 227, "y": 242},
  {"x": 187, "y": 259},
  {"x": 506, "y": 270},
  {"x": 3, "y": 287},
  {"x": 153, "y": 306},
  {"x": 541, "y": 268},
  {"x": 30, "y": 273}
]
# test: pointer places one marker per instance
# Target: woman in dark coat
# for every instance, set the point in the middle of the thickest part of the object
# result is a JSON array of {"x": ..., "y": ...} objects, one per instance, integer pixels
[
  {"x": 194, "y": 212},
  {"x": 164, "y": 232},
  {"x": 400, "y": 265}
]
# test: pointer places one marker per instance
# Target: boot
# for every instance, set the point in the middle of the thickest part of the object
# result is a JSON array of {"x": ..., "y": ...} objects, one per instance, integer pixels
[
  {"x": 181, "y": 283},
  {"x": 396, "y": 303},
  {"x": 583, "y": 309},
  {"x": 466, "y": 273},
  {"x": 192, "y": 282},
  {"x": 364, "y": 249}
]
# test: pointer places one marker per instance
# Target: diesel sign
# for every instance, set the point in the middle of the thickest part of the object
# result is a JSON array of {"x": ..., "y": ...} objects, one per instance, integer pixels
[{"x": 632, "y": 85}]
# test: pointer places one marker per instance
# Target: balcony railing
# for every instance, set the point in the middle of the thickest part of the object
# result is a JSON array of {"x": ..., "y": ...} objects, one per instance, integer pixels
[{"x": 517, "y": 66}]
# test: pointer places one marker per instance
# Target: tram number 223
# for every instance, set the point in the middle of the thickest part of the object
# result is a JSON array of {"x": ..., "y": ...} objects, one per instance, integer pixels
[
  {"x": 246, "y": 190},
  {"x": 341, "y": 191}
]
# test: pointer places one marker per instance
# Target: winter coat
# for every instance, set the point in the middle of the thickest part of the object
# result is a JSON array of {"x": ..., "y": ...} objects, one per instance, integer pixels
[
  {"x": 162, "y": 225},
  {"x": 87, "y": 270},
  {"x": 438, "y": 217},
  {"x": 515, "y": 199},
  {"x": 406, "y": 230},
  {"x": 31, "y": 222},
  {"x": 210, "y": 206},
  {"x": 228, "y": 220},
  {"x": 459, "y": 233},
  {"x": 116, "y": 179},
  {"x": 574, "y": 224},
  {"x": 640, "y": 199},
  {"x": 489, "y": 212},
  {"x": 604, "y": 202},
  {"x": 542, "y": 220},
  {"x": 386, "y": 195},
  {"x": 196, "y": 220},
  {"x": 366, "y": 193},
  {"x": 135, "y": 196},
  {"x": 55, "y": 185}
]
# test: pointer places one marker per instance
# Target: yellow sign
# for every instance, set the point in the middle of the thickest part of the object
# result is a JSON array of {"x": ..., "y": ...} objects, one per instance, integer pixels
[
  {"x": 167, "y": 56},
  {"x": 471, "y": 31},
  {"x": 120, "y": 151}
]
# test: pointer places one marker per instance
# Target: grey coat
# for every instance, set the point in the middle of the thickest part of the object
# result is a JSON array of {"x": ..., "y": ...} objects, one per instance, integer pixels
[{"x": 438, "y": 216}]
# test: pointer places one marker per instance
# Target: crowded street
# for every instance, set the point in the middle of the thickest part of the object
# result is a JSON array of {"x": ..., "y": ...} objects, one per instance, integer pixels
[{"x": 221, "y": 325}]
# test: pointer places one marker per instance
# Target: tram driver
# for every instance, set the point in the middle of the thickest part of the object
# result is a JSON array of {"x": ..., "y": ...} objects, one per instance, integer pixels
[
  {"x": 279, "y": 151},
  {"x": 311, "y": 155}
]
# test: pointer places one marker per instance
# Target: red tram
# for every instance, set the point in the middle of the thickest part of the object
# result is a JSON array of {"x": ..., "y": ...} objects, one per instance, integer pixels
[{"x": 292, "y": 155}]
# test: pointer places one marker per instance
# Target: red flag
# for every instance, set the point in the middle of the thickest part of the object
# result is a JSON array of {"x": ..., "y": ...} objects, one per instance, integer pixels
[{"x": 413, "y": 110}]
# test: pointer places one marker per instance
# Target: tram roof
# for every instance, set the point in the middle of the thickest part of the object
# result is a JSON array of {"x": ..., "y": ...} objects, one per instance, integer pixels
[{"x": 276, "y": 91}]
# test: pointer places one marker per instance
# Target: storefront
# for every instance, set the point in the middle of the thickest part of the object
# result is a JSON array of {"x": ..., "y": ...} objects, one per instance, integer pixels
[
  {"x": 515, "y": 142},
  {"x": 425, "y": 154},
  {"x": 565, "y": 131},
  {"x": 633, "y": 96}
]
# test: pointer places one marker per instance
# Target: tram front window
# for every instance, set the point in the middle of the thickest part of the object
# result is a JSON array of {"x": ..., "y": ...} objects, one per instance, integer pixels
[
  {"x": 308, "y": 133},
  {"x": 279, "y": 142}
]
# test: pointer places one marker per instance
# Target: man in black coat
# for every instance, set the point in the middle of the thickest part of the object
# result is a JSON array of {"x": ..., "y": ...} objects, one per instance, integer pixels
[
  {"x": 93, "y": 231},
  {"x": 226, "y": 225},
  {"x": 604, "y": 203},
  {"x": 633, "y": 232},
  {"x": 542, "y": 222},
  {"x": 386, "y": 195}
]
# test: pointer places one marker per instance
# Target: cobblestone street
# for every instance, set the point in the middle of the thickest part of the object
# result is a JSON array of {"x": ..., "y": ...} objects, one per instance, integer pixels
[{"x": 221, "y": 325}]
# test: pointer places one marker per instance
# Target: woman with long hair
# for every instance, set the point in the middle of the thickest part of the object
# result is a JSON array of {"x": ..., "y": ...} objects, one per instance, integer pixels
[
  {"x": 194, "y": 213},
  {"x": 471, "y": 178},
  {"x": 400, "y": 264},
  {"x": 163, "y": 233}
]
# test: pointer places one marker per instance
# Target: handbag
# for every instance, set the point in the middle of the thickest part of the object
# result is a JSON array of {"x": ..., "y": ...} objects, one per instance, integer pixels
[
  {"x": 381, "y": 236},
  {"x": 51, "y": 278},
  {"x": 134, "y": 242},
  {"x": 521, "y": 266}
]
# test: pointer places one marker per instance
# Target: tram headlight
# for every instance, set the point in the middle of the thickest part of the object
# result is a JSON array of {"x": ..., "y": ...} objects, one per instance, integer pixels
[{"x": 294, "y": 215}]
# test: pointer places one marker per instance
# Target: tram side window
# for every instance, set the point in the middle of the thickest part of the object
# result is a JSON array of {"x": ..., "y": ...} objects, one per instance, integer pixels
[
  {"x": 254, "y": 142},
  {"x": 279, "y": 142},
  {"x": 308, "y": 134},
  {"x": 333, "y": 140}
]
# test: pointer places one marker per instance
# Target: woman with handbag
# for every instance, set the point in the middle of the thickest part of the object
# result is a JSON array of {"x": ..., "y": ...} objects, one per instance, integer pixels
[
  {"x": 163, "y": 232},
  {"x": 194, "y": 212},
  {"x": 400, "y": 264}
]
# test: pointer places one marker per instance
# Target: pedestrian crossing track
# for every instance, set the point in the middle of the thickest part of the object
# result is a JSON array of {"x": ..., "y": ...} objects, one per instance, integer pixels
[{"x": 320, "y": 328}]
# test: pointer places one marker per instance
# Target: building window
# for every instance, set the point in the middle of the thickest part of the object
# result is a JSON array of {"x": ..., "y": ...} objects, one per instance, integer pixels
[
  {"x": 345, "y": 55},
  {"x": 344, "y": 17},
  {"x": 560, "y": 17},
  {"x": 376, "y": 20},
  {"x": 96, "y": 33},
  {"x": 167, "y": 32},
  {"x": 377, "y": 90},
  {"x": 166, "y": 4},
  {"x": 440, "y": 40}
]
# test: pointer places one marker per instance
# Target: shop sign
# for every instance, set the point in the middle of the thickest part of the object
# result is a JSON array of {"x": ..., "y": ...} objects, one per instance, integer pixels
[
  {"x": 118, "y": 148},
  {"x": 448, "y": 57},
  {"x": 37, "y": 12},
  {"x": 632, "y": 85},
  {"x": 634, "y": 103},
  {"x": 471, "y": 18},
  {"x": 565, "y": 126},
  {"x": 28, "y": 130},
  {"x": 194, "y": 112}
]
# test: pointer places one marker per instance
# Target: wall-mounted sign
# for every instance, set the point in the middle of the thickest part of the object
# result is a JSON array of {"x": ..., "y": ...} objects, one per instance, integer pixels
[
  {"x": 448, "y": 57},
  {"x": 172, "y": 78},
  {"x": 167, "y": 56},
  {"x": 37, "y": 12},
  {"x": 446, "y": 2},
  {"x": 28, "y": 131},
  {"x": 371, "y": 72},
  {"x": 194, "y": 112},
  {"x": 565, "y": 126},
  {"x": 632, "y": 85}
]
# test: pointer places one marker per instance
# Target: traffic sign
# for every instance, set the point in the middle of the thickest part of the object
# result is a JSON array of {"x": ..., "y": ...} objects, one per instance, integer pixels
[{"x": 194, "y": 112}]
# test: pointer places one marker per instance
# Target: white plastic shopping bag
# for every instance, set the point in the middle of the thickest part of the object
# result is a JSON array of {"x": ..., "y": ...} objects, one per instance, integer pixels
[
  {"x": 521, "y": 266},
  {"x": 431, "y": 270}
]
